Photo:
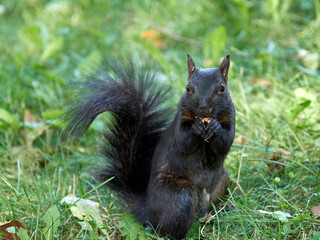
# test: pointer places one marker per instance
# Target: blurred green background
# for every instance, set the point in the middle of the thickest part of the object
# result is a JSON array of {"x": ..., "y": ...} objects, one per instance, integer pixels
[{"x": 274, "y": 82}]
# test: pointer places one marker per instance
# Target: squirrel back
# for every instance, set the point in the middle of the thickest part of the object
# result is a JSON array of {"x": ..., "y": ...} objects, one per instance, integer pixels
[{"x": 128, "y": 91}]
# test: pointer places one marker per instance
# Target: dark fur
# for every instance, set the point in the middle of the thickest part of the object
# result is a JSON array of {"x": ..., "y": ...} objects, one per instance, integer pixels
[
  {"x": 167, "y": 177},
  {"x": 130, "y": 94}
]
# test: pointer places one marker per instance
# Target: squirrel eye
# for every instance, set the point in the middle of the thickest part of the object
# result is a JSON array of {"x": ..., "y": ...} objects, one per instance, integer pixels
[
  {"x": 188, "y": 88},
  {"x": 222, "y": 88}
]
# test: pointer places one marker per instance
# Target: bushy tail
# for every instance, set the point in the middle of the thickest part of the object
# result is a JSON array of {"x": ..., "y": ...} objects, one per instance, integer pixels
[{"x": 129, "y": 93}]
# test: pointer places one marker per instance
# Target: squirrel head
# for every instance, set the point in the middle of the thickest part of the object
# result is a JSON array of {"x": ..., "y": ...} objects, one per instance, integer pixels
[{"x": 206, "y": 94}]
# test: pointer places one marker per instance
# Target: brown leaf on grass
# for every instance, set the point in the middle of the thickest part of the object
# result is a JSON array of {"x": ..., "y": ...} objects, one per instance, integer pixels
[
  {"x": 283, "y": 151},
  {"x": 11, "y": 236},
  {"x": 275, "y": 157},
  {"x": 153, "y": 36},
  {"x": 240, "y": 140},
  {"x": 274, "y": 166},
  {"x": 262, "y": 81},
  {"x": 150, "y": 34},
  {"x": 316, "y": 211},
  {"x": 280, "y": 156},
  {"x": 28, "y": 117}
]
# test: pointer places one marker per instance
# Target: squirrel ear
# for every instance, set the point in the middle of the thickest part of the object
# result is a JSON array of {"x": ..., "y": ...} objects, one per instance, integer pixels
[
  {"x": 191, "y": 66},
  {"x": 224, "y": 68}
]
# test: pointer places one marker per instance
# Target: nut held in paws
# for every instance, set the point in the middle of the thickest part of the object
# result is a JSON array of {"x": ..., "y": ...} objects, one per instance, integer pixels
[{"x": 207, "y": 120}]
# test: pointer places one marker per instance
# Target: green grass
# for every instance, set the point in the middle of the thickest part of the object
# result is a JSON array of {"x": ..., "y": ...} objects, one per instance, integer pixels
[{"x": 274, "y": 162}]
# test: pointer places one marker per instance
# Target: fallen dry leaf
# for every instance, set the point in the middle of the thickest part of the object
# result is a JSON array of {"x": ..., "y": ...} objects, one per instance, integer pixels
[
  {"x": 283, "y": 151},
  {"x": 282, "y": 216},
  {"x": 10, "y": 236},
  {"x": 280, "y": 156},
  {"x": 275, "y": 157},
  {"x": 240, "y": 140},
  {"x": 262, "y": 81},
  {"x": 28, "y": 117},
  {"x": 152, "y": 35},
  {"x": 316, "y": 211}
]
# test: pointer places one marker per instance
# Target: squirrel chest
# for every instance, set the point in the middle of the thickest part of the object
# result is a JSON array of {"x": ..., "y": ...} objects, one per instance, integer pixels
[{"x": 206, "y": 173}]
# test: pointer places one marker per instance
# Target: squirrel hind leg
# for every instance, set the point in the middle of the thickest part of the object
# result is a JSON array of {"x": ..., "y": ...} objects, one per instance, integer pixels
[
  {"x": 172, "y": 205},
  {"x": 221, "y": 188}
]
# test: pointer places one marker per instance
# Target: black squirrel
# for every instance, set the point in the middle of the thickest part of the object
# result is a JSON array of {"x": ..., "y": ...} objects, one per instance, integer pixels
[{"x": 167, "y": 173}]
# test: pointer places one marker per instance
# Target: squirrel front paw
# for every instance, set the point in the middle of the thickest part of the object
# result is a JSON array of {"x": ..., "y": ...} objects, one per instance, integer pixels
[
  {"x": 207, "y": 128},
  {"x": 213, "y": 128},
  {"x": 199, "y": 128}
]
